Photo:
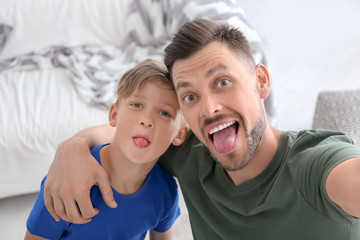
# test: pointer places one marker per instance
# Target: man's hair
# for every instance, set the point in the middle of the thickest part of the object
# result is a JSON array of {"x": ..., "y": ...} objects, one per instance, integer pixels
[
  {"x": 137, "y": 77},
  {"x": 195, "y": 35}
]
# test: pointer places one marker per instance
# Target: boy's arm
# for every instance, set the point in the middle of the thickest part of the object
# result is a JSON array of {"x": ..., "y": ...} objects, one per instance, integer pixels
[
  {"x": 72, "y": 174},
  {"x": 29, "y": 236},
  {"x": 154, "y": 235},
  {"x": 343, "y": 184}
]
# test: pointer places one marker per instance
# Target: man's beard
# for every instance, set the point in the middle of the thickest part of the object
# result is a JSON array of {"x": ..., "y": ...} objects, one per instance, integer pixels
[{"x": 253, "y": 140}]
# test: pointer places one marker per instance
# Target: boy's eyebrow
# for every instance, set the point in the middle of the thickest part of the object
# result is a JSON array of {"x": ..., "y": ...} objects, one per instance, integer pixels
[{"x": 208, "y": 74}]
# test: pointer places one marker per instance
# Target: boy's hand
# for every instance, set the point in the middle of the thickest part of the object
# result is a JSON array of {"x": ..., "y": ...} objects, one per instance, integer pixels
[{"x": 71, "y": 175}]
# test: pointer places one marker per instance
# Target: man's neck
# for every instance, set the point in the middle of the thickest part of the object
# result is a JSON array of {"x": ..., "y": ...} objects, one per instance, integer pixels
[
  {"x": 261, "y": 158},
  {"x": 126, "y": 177}
]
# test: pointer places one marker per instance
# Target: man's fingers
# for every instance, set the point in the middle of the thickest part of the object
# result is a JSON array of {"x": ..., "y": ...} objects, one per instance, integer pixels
[
  {"x": 60, "y": 208},
  {"x": 73, "y": 213},
  {"x": 85, "y": 207},
  {"x": 49, "y": 203},
  {"x": 105, "y": 189}
]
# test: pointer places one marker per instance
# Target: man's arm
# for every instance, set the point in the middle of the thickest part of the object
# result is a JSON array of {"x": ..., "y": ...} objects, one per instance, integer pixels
[
  {"x": 343, "y": 186},
  {"x": 72, "y": 174}
]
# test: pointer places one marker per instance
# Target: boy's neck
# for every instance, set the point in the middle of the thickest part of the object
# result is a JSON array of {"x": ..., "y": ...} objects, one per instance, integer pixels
[{"x": 126, "y": 177}]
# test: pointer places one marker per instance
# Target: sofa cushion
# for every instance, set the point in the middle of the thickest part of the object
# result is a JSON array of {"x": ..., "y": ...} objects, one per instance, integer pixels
[{"x": 340, "y": 111}]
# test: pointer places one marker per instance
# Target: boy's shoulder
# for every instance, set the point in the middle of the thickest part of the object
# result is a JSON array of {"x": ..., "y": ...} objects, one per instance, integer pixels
[
  {"x": 158, "y": 175},
  {"x": 95, "y": 151},
  {"x": 162, "y": 186}
]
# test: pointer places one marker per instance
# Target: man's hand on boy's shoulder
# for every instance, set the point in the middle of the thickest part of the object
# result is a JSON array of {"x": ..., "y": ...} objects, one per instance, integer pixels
[{"x": 67, "y": 190}]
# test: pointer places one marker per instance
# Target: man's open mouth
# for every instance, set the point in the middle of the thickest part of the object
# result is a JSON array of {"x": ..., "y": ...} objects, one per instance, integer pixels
[{"x": 223, "y": 136}]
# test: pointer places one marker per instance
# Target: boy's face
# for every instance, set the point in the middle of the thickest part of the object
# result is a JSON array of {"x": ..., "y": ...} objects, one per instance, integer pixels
[
  {"x": 147, "y": 122},
  {"x": 220, "y": 97}
]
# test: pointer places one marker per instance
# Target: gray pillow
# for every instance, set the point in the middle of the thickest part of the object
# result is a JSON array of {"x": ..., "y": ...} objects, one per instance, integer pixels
[
  {"x": 5, "y": 31},
  {"x": 339, "y": 111}
]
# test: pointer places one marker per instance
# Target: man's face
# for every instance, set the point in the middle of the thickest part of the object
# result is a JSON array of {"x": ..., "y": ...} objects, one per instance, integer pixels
[{"x": 220, "y": 99}]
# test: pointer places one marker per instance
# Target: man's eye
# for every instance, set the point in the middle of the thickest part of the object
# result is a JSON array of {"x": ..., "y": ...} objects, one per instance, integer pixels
[
  {"x": 222, "y": 83},
  {"x": 189, "y": 98}
]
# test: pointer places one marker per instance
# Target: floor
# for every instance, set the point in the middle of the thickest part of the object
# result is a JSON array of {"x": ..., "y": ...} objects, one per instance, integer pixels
[
  {"x": 313, "y": 45},
  {"x": 15, "y": 210}
]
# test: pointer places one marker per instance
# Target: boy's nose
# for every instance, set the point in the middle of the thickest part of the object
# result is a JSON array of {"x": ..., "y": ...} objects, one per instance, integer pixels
[
  {"x": 147, "y": 120},
  {"x": 146, "y": 123}
]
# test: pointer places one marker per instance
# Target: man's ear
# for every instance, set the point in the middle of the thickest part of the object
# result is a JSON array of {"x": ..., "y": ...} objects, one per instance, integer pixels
[
  {"x": 112, "y": 115},
  {"x": 180, "y": 137},
  {"x": 263, "y": 80}
]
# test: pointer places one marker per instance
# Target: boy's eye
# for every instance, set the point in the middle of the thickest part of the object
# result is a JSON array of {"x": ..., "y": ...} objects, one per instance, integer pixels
[
  {"x": 222, "y": 83},
  {"x": 135, "y": 105},
  {"x": 165, "y": 113},
  {"x": 189, "y": 98}
]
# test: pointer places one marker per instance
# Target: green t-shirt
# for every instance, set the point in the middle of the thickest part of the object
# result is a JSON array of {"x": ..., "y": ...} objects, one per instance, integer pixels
[{"x": 286, "y": 201}]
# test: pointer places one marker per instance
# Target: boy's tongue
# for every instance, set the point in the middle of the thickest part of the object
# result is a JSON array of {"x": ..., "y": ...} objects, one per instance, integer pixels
[
  {"x": 141, "y": 142},
  {"x": 224, "y": 140}
]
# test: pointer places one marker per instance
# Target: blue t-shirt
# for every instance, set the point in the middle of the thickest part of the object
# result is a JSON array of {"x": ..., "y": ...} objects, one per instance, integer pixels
[{"x": 153, "y": 206}]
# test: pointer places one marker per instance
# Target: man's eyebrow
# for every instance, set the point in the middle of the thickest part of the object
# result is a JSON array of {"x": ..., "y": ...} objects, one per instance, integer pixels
[
  {"x": 181, "y": 85},
  {"x": 208, "y": 74},
  {"x": 214, "y": 69}
]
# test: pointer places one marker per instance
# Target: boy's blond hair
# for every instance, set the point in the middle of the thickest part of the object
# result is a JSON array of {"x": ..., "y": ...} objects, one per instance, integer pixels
[{"x": 138, "y": 76}]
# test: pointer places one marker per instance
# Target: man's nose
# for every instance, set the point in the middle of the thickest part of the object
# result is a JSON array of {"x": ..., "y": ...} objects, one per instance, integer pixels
[{"x": 210, "y": 105}]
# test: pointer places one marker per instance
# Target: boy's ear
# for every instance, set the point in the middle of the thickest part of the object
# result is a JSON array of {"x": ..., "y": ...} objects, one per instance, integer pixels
[
  {"x": 263, "y": 79},
  {"x": 180, "y": 137},
  {"x": 112, "y": 115}
]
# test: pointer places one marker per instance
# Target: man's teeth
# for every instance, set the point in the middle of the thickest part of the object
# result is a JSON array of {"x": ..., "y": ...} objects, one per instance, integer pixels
[{"x": 221, "y": 127}]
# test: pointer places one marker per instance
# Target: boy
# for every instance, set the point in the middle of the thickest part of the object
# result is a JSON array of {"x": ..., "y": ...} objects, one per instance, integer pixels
[{"x": 147, "y": 120}]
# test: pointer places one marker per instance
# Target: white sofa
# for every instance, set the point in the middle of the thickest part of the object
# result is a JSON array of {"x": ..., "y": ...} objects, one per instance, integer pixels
[
  {"x": 59, "y": 66},
  {"x": 60, "y": 61}
]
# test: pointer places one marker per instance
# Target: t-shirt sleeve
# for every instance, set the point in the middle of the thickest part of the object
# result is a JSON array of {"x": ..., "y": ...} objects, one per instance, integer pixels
[
  {"x": 314, "y": 164},
  {"x": 41, "y": 223},
  {"x": 169, "y": 217},
  {"x": 168, "y": 200}
]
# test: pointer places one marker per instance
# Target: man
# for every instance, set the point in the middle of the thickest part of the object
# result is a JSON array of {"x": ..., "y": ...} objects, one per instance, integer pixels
[{"x": 241, "y": 177}]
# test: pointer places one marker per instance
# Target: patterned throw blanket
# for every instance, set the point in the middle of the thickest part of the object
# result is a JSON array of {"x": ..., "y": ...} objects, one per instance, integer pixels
[{"x": 95, "y": 70}]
